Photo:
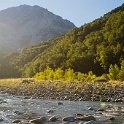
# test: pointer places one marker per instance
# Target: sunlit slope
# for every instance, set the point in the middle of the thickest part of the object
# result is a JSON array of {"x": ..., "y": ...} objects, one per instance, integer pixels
[{"x": 92, "y": 47}]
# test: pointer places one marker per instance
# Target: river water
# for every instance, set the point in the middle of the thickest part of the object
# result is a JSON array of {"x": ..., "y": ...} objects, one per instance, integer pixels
[{"x": 25, "y": 109}]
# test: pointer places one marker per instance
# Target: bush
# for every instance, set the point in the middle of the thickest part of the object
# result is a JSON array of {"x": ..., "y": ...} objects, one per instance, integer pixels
[
  {"x": 121, "y": 73},
  {"x": 113, "y": 72},
  {"x": 101, "y": 79},
  {"x": 68, "y": 75}
]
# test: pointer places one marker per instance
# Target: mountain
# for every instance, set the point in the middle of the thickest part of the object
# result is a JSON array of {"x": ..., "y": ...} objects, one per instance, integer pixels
[
  {"x": 92, "y": 47},
  {"x": 26, "y": 25}
]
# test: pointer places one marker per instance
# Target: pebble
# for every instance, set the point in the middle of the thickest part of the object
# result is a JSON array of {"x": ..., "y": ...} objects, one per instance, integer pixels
[
  {"x": 2, "y": 101},
  {"x": 90, "y": 108},
  {"x": 1, "y": 119},
  {"x": 79, "y": 114},
  {"x": 86, "y": 118},
  {"x": 70, "y": 118},
  {"x": 53, "y": 118},
  {"x": 27, "y": 97},
  {"x": 112, "y": 118},
  {"x": 38, "y": 120},
  {"x": 50, "y": 111},
  {"x": 89, "y": 122},
  {"x": 16, "y": 121},
  {"x": 18, "y": 112},
  {"x": 60, "y": 103},
  {"x": 101, "y": 109}
]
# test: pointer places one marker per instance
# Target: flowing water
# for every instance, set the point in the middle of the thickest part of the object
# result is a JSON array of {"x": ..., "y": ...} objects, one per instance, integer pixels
[{"x": 17, "y": 107}]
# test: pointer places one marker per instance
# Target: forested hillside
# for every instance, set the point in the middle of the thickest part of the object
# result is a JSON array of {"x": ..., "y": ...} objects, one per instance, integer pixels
[{"x": 97, "y": 47}]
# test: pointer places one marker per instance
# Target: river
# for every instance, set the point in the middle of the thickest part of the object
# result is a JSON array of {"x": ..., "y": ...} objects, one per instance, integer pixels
[{"x": 27, "y": 108}]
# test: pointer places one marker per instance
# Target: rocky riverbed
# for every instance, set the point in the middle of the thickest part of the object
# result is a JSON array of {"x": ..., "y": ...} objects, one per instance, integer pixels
[
  {"x": 73, "y": 91},
  {"x": 29, "y": 110}
]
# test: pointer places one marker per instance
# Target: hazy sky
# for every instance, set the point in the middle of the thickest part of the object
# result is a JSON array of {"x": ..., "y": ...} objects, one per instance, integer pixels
[{"x": 77, "y": 11}]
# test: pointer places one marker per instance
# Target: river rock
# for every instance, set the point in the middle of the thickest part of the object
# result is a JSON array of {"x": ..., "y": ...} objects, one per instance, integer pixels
[
  {"x": 70, "y": 118},
  {"x": 2, "y": 101},
  {"x": 112, "y": 118},
  {"x": 79, "y": 114},
  {"x": 89, "y": 122},
  {"x": 60, "y": 103},
  {"x": 38, "y": 120},
  {"x": 18, "y": 112},
  {"x": 100, "y": 113},
  {"x": 118, "y": 100},
  {"x": 53, "y": 118},
  {"x": 66, "y": 98},
  {"x": 64, "y": 123},
  {"x": 101, "y": 109},
  {"x": 16, "y": 121},
  {"x": 81, "y": 99},
  {"x": 25, "y": 123},
  {"x": 50, "y": 111},
  {"x": 90, "y": 108},
  {"x": 1, "y": 120},
  {"x": 86, "y": 118},
  {"x": 27, "y": 97}
]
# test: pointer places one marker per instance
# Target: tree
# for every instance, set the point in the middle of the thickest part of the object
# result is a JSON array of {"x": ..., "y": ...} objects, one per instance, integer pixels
[
  {"x": 121, "y": 73},
  {"x": 81, "y": 76},
  {"x": 49, "y": 73},
  {"x": 113, "y": 72},
  {"x": 58, "y": 75},
  {"x": 69, "y": 75},
  {"x": 90, "y": 77}
]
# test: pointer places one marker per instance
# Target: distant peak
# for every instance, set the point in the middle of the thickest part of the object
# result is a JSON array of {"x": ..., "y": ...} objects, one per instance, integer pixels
[
  {"x": 24, "y": 5},
  {"x": 34, "y": 6},
  {"x": 37, "y": 6}
]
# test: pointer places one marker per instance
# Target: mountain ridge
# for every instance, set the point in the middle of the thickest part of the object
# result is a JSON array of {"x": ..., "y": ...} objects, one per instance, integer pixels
[{"x": 27, "y": 25}]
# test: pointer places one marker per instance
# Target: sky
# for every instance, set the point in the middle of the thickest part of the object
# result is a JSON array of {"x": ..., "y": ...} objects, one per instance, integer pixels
[{"x": 77, "y": 11}]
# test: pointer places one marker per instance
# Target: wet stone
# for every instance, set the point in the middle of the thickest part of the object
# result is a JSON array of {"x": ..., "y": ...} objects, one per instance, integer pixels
[
  {"x": 23, "y": 122},
  {"x": 1, "y": 120},
  {"x": 38, "y": 120},
  {"x": 89, "y": 122},
  {"x": 27, "y": 97},
  {"x": 101, "y": 110},
  {"x": 79, "y": 114},
  {"x": 16, "y": 121},
  {"x": 18, "y": 112},
  {"x": 53, "y": 118},
  {"x": 71, "y": 118},
  {"x": 60, "y": 103},
  {"x": 112, "y": 118},
  {"x": 50, "y": 111},
  {"x": 86, "y": 118},
  {"x": 90, "y": 108},
  {"x": 2, "y": 101}
]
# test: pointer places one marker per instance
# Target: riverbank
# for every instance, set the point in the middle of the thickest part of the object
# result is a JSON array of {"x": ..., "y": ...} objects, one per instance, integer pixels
[{"x": 81, "y": 91}]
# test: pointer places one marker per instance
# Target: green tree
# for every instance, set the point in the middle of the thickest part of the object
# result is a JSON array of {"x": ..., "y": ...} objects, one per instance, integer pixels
[
  {"x": 113, "y": 72},
  {"x": 69, "y": 75},
  {"x": 80, "y": 76},
  {"x": 90, "y": 77},
  {"x": 121, "y": 73},
  {"x": 58, "y": 74},
  {"x": 49, "y": 73}
]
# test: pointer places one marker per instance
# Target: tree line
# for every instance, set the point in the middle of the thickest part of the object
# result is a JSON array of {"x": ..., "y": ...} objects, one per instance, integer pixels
[{"x": 96, "y": 47}]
